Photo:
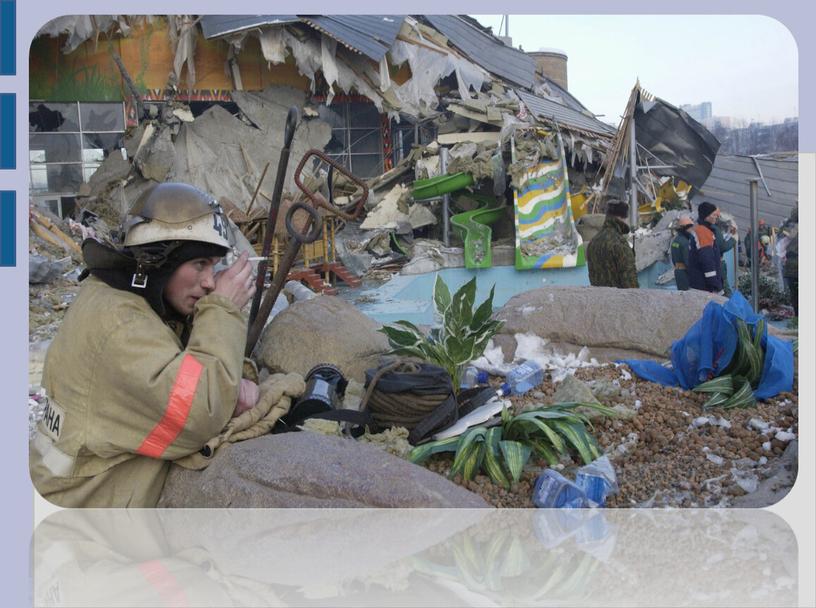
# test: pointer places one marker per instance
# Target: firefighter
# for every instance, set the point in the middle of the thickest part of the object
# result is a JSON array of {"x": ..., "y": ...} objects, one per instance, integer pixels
[{"x": 147, "y": 365}]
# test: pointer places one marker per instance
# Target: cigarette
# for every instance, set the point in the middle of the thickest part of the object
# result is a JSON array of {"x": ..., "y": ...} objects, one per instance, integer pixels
[{"x": 257, "y": 258}]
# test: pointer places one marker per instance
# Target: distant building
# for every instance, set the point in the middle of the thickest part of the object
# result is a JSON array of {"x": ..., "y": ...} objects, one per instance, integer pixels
[
  {"x": 698, "y": 112},
  {"x": 757, "y": 138}
]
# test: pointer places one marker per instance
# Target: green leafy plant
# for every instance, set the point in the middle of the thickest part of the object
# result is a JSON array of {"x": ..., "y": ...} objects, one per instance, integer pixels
[
  {"x": 462, "y": 336},
  {"x": 734, "y": 387},
  {"x": 502, "y": 451}
]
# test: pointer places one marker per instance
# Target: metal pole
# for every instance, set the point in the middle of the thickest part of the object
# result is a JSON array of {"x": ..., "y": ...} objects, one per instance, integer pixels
[
  {"x": 633, "y": 205},
  {"x": 754, "y": 189},
  {"x": 443, "y": 170}
]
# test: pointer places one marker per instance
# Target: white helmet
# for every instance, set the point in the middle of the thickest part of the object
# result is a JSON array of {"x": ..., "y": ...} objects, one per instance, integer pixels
[{"x": 175, "y": 212}]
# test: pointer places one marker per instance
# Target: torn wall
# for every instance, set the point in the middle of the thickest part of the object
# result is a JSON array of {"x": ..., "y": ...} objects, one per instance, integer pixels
[{"x": 217, "y": 152}]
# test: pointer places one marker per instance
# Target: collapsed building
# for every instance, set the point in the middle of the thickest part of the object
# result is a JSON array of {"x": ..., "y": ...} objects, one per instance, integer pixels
[{"x": 474, "y": 152}]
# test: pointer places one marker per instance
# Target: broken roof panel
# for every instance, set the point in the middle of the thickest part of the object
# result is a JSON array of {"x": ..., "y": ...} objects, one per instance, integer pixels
[
  {"x": 675, "y": 138},
  {"x": 488, "y": 51},
  {"x": 563, "y": 115},
  {"x": 220, "y": 25},
  {"x": 370, "y": 35}
]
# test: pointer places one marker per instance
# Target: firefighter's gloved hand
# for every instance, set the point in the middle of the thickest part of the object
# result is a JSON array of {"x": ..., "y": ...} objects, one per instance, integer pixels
[{"x": 248, "y": 395}]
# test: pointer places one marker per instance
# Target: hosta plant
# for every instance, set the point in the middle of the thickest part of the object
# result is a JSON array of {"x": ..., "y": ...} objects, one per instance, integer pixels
[
  {"x": 502, "y": 451},
  {"x": 461, "y": 337},
  {"x": 734, "y": 387}
]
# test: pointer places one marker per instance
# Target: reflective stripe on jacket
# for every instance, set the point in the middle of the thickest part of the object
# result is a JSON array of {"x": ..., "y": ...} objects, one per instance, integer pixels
[
  {"x": 705, "y": 266},
  {"x": 125, "y": 397}
]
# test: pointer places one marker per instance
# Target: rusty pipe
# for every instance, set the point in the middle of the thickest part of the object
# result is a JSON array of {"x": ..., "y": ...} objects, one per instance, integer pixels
[
  {"x": 274, "y": 205},
  {"x": 307, "y": 235}
]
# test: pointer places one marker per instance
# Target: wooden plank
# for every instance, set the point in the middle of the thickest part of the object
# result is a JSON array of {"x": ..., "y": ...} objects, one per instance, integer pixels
[{"x": 476, "y": 137}]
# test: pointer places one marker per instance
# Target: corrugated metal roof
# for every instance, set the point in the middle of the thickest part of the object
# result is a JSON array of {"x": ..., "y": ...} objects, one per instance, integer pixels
[
  {"x": 220, "y": 25},
  {"x": 563, "y": 115},
  {"x": 488, "y": 51},
  {"x": 728, "y": 187},
  {"x": 371, "y": 35}
]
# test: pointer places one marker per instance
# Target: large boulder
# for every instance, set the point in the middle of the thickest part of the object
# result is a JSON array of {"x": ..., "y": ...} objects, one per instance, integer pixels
[
  {"x": 308, "y": 469},
  {"x": 626, "y": 321},
  {"x": 325, "y": 329}
]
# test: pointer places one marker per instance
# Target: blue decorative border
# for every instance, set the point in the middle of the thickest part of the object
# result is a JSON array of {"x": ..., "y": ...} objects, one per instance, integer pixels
[
  {"x": 8, "y": 37},
  {"x": 8, "y": 139},
  {"x": 8, "y": 238}
]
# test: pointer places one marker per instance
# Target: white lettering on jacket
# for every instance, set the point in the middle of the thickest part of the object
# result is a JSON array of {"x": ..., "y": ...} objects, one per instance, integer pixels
[{"x": 53, "y": 420}]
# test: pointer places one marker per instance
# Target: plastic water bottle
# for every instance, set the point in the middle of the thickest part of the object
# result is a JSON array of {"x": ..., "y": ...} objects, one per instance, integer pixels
[
  {"x": 554, "y": 491},
  {"x": 473, "y": 377},
  {"x": 597, "y": 479},
  {"x": 524, "y": 377}
]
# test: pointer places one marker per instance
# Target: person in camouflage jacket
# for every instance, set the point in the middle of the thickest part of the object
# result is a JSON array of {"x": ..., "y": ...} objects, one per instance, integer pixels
[{"x": 610, "y": 259}]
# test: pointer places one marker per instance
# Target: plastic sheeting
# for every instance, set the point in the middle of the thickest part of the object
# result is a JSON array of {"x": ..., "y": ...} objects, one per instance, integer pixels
[
  {"x": 708, "y": 346},
  {"x": 428, "y": 67},
  {"x": 80, "y": 28}
]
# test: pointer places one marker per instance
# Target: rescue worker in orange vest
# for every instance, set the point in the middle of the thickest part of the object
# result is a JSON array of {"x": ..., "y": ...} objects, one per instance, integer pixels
[
  {"x": 705, "y": 261},
  {"x": 147, "y": 365}
]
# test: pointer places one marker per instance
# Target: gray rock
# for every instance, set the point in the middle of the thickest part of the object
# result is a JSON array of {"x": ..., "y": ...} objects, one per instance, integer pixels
[
  {"x": 311, "y": 470},
  {"x": 42, "y": 269},
  {"x": 325, "y": 329},
  {"x": 157, "y": 159},
  {"x": 606, "y": 390},
  {"x": 642, "y": 320},
  {"x": 570, "y": 389}
]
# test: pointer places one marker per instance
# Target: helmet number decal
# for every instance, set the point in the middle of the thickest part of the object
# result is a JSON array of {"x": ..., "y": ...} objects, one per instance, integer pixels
[{"x": 219, "y": 226}]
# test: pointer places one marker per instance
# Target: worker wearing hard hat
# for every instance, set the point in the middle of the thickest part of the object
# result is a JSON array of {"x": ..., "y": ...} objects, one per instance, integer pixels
[
  {"x": 147, "y": 366},
  {"x": 680, "y": 251}
]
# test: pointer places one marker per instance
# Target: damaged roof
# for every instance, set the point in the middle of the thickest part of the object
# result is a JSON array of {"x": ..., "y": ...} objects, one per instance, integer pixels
[
  {"x": 369, "y": 35},
  {"x": 550, "y": 110},
  {"x": 221, "y": 25},
  {"x": 489, "y": 52}
]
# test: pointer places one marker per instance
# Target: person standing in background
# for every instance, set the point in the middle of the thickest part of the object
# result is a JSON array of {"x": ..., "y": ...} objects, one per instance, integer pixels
[
  {"x": 705, "y": 264},
  {"x": 680, "y": 251}
]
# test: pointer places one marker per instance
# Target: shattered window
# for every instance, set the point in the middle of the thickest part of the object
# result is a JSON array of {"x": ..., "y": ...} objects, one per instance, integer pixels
[
  {"x": 52, "y": 117},
  {"x": 69, "y": 141},
  {"x": 356, "y": 140},
  {"x": 102, "y": 117}
]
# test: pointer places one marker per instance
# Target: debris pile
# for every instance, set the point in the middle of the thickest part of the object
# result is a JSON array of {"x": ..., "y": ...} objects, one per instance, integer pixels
[{"x": 665, "y": 453}]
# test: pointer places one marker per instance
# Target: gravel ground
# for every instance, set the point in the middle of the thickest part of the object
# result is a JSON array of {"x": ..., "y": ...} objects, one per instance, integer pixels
[{"x": 668, "y": 452}]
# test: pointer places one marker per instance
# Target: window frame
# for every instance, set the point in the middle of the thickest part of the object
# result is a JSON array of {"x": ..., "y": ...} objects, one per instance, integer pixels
[{"x": 82, "y": 163}]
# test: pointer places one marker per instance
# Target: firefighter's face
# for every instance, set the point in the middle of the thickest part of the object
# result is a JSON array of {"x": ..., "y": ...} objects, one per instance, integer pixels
[{"x": 189, "y": 283}]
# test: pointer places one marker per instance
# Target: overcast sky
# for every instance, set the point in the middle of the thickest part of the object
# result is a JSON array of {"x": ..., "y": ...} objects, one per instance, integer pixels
[{"x": 746, "y": 66}]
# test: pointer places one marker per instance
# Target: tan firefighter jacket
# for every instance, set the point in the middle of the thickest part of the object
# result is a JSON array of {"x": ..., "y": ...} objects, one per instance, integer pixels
[{"x": 125, "y": 398}]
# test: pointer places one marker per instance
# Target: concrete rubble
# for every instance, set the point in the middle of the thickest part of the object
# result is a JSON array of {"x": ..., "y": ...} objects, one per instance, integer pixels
[{"x": 487, "y": 131}]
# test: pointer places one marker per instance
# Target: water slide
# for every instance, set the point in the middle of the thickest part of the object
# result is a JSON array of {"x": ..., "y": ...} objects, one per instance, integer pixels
[{"x": 473, "y": 227}]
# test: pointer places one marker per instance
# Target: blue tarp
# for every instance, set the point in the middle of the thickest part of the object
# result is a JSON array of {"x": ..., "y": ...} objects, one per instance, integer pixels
[{"x": 708, "y": 346}]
